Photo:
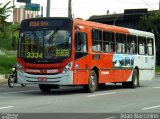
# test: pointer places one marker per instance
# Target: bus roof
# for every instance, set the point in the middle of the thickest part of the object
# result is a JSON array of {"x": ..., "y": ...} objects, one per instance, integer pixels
[
  {"x": 141, "y": 33},
  {"x": 114, "y": 28},
  {"x": 100, "y": 26}
]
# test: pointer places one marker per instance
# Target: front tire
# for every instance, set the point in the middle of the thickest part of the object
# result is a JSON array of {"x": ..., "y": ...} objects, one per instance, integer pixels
[
  {"x": 45, "y": 88},
  {"x": 92, "y": 83},
  {"x": 11, "y": 81}
]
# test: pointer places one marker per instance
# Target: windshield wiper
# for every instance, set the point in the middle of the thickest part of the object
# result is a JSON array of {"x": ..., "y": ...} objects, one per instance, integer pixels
[{"x": 51, "y": 37}]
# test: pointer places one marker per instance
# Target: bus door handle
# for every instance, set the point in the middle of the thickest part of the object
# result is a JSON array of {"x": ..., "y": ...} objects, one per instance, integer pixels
[{"x": 146, "y": 59}]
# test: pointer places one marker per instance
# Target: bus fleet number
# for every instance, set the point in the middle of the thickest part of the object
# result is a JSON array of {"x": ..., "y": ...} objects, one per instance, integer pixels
[{"x": 34, "y": 55}]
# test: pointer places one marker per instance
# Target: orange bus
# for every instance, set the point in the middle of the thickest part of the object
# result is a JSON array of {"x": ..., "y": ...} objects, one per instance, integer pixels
[{"x": 55, "y": 52}]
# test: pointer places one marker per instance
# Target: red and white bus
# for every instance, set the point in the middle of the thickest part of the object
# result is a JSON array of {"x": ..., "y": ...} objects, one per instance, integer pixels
[{"x": 54, "y": 52}]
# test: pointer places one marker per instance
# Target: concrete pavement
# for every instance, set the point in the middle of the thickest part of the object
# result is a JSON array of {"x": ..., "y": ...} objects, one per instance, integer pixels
[
  {"x": 111, "y": 99},
  {"x": 3, "y": 79}
]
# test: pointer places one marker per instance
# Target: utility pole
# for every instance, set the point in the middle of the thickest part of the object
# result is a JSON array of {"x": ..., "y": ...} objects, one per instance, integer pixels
[
  {"x": 48, "y": 8},
  {"x": 41, "y": 11},
  {"x": 13, "y": 12},
  {"x": 159, "y": 4},
  {"x": 70, "y": 8},
  {"x": 115, "y": 19}
]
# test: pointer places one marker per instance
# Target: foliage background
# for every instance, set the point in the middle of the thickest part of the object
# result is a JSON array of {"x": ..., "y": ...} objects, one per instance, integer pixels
[
  {"x": 6, "y": 35},
  {"x": 7, "y": 54},
  {"x": 151, "y": 23},
  {"x": 7, "y": 60}
]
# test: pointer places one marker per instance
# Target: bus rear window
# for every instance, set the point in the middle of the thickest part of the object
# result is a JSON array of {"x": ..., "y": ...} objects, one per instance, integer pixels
[
  {"x": 150, "y": 48},
  {"x": 141, "y": 45},
  {"x": 132, "y": 44}
]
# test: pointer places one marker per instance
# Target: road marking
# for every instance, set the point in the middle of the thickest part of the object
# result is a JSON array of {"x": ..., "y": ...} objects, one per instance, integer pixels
[
  {"x": 156, "y": 87},
  {"x": 19, "y": 92},
  {"x": 102, "y": 94},
  {"x": 6, "y": 107},
  {"x": 151, "y": 107},
  {"x": 110, "y": 118}
]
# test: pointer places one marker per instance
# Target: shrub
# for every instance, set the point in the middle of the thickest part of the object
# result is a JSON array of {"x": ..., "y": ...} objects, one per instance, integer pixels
[{"x": 7, "y": 60}]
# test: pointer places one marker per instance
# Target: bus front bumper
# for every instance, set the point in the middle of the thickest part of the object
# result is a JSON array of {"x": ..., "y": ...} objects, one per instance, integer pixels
[{"x": 58, "y": 79}]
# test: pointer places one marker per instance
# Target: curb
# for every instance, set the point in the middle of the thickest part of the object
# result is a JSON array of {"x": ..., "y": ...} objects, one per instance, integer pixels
[
  {"x": 3, "y": 79},
  {"x": 158, "y": 75}
]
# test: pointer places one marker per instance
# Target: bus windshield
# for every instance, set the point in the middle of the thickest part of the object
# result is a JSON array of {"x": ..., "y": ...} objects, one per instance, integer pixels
[{"x": 45, "y": 43}]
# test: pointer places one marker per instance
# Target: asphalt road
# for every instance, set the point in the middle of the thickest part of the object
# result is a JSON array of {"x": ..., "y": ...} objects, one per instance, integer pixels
[{"x": 112, "y": 99}]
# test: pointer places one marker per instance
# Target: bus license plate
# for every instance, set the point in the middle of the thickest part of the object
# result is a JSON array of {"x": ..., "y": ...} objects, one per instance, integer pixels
[{"x": 42, "y": 78}]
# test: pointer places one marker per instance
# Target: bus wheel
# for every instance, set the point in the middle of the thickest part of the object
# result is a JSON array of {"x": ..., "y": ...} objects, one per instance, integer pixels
[
  {"x": 135, "y": 79},
  {"x": 92, "y": 83},
  {"x": 45, "y": 88}
]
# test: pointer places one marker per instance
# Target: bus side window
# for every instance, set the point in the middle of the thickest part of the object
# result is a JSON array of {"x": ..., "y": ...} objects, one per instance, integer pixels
[
  {"x": 132, "y": 44},
  {"x": 150, "y": 48},
  {"x": 96, "y": 40},
  {"x": 108, "y": 41},
  {"x": 120, "y": 43},
  {"x": 141, "y": 45},
  {"x": 80, "y": 44}
]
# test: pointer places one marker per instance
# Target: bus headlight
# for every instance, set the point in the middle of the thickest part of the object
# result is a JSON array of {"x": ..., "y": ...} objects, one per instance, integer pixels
[
  {"x": 20, "y": 68},
  {"x": 13, "y": 69},
  {"x": 67, "y": 68}
]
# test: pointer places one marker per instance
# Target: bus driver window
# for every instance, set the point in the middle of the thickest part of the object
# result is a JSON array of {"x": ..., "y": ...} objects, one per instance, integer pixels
[{"x": 80, "y": 44}]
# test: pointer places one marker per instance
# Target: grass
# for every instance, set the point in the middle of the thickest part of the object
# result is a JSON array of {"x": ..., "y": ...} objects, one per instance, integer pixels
[
  {"x": 158, "y": 70},
  {"x": 7, "y": 61}
]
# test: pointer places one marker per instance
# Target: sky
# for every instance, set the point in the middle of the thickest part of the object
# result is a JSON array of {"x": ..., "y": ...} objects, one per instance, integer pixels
[{"x": 86, "y": 8}]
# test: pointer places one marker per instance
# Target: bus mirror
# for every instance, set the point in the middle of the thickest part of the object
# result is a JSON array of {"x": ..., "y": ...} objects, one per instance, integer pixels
[
  {"x": 77, "y": 28},
  {"x": 14, "y": 38}
]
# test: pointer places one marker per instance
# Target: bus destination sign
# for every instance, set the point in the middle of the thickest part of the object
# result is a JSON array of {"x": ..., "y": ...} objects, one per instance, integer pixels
[{"x": 38, "y": 23}]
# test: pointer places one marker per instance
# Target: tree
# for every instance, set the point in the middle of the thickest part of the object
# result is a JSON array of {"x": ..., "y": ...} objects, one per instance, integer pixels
[
  {"x": 151, "y": 23},
  {"x": 5, "y": 27},
  {"x": 4, "y": 12}
]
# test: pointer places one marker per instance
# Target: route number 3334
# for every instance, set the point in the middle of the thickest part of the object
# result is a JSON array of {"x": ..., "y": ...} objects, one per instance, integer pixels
[{"x": 34, "y": 55}]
